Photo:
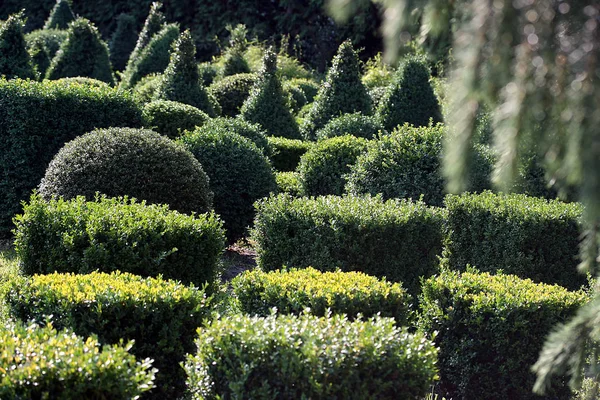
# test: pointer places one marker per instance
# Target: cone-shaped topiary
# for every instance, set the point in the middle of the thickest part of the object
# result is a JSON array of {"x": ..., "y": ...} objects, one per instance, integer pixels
[
  {"x": 39, "y": 57},
  {"x": 180, "y": 81},
  {"x": 60, "y": 16},
  {"x": 51, "y": 38},
  {"x": 266, "y": 105},
  {"x": 83, "y": 53},
  {"x": 410, "y": 98},
  {"x": 15, "y": 61},
  {"x": 342, "y": 92},
  {"x": 233, "y": 59},
  {"x": 154, "y": 23},
  {"x": 122, "y": 41}
]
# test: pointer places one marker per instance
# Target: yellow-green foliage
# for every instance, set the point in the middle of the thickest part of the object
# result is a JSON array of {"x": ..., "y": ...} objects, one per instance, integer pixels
[{"x": 288, "y": 182}]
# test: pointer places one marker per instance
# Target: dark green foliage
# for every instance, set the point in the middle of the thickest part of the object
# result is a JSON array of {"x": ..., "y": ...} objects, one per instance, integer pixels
[
  {"x": 161, "y": 316},
  {"x": 83, "y": 53},
  {"x": 234, "y": 63},
  {"x": 208, "y": 72},
  {"x": 525, "y": 236},
  {"x": 287, "y": 152},
  {"x": 80, "y": 80},
  {"x": 37, "y": 120},
  {"x": 399, "y": 240},
  {"x": 267, "y": 106},
  {"x": 354, "y": 124},
  {"x": 154, "y": 24},
  {"x": 291, "y": 357},
  {"x": 122, "y": 41},
  {"x": 51, "y": 38},
  {"x": 39, "y": 57},
  {"x": 129, "y": 162},
  {"x": 490, "y": 330},
  {"x": 15, "y": 61},
  {"x": 181, "y": 81},
  {"x": 41, "y": 363},
  {"x": 288, "y": 182},
  {"x": 323, "y": 168},
  {"x": 243, "y": 128},
  {"x": 410, "y": 98},
  {"x": 292, "y": 291},
  {"x": 295, "y": 97},
  {"x": 239, "y": 173},
  {"x": 232, "y": 91},
  {"x": 171, "y": 118},
  {"x": 309, "y": 87},
  {"x": 144, "y": 90},
  {"x": 60, "y": 16},
  {"x": 341, "y": 93}
]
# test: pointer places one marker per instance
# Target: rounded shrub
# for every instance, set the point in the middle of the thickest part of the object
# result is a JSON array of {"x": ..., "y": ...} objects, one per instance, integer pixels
[
  {"x": 354, "y": 124},
  {"x": 81, "y": 80},
  {"x": 287, "y": 152},
  {"x": 15, "y": 61},
  {"x": 207, "y": 72},
  {"x": 295, "y": 97},
  {"x": 144, "y": 91},
  {"x": 288, "y": 182},
  {"x": 60, "y": 16},
  {"x": 323, "y": 168},
  {"x": 309, "y": 87},
  {"x": 239, "y": 173},
  {"x": 51, "y": 39},
  {"x": 171, "y": 118},
  {"x": 134, "y": 162},
  {"x": 251, "y": 131},
  {"x": 232, "y": 91},
  {"x": 122, "y": 41}
]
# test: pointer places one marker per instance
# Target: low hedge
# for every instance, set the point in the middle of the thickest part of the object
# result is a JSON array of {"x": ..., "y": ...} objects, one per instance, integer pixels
[
  {"x": 171, "y": 118},
  {"x": 41, "y": 363},
  {"x": 525, "y": 236},
  {"x": 292, "y": 291},
  {"x": 288, "y": 182},
  {"x": 309, "y": 357},
  {"x": 354, "y": 124},
  {"x": 249, "y": 130},
  {"x": 287, "y": 152},
  {"x": 117, "y": 234},
  {"x": 490, "y": 330},
  {"x": 161, "y": 316},
  {"x": 399, "y": 240}
]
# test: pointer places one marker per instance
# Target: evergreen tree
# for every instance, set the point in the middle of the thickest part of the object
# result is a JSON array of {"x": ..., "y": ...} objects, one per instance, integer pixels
[
  {"x": 83, "y": 53},
  {"x": 60, "y": 16},
  {"x": 267, "y": 105},
  {"x": 123, "y": 41},
  {"x": 154, "y": 24},
  {"x": 233, "y": 59},
  {"x": 15, "y": 61}
]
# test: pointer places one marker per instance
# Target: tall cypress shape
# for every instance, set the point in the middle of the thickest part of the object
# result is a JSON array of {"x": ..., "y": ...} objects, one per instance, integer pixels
[
  {"x": 60, "y": 16},
  {"x": 15, "y": 61},
  {"x": 342, "y": 93},
  {"x": 123, "y": 41},
  {"x": 83, "y": 53},
  {"x": 154, "y": 23},
  {"x": 180, "y": 81},
  {"x": 266, "y": 105}
]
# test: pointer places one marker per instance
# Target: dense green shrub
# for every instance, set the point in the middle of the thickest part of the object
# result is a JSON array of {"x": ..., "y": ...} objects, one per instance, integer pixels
[
  {"x": 243, "y": 128},
  {"x": 287, "y": 152},
  {"x": 15, "y": 61},
  {"x": 39, "y": 57},
  {"x": 83, "y": 53},
  {"x": 208, "y": 73},
  {"x": 51, "y": 38},
  {"x": 145, "y": 89},
  {"x": 37, "y": 119},
  {"x": 122, "y": 41},
  {"x": 81, "y": 80},
  {"x": 309, "y": 87},
  {"x": 354, "y": 124},
  {"x": 232, "y": 91},
  {"x": 377, "y": 73},
  {"x": 134, "y": 162},
  {"x": 323, "y": 168},
  {"x": 152, "y": 25},
  {"x": 410, "y": 98},
  {"x": 292, "y": 291},
  {"x": 341, "y": 93},
  {"x": 161, "y": 316},
  {"x": 309, "y": 357},
  {"x": 239, "y": 173},
  {"x": 295, "y": 97},
  {"x": 287, "y": 67},
  {"x": 491, "y": 330},
  {"x": 233, "y": 61},
  {"x": 266, "y": 105},
  {"x": 399, "y": 240},
  {"x": 41, "y": 363},
  {"x": 60, "y": 16},
  {"x": 288, "y": 182},
  {"x": 525, "y": 236},
  {"x": 171, "y": 118}
]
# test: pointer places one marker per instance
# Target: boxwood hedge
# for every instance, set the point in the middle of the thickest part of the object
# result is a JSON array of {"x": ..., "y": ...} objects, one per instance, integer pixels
[{"x": 287, "y": 152}]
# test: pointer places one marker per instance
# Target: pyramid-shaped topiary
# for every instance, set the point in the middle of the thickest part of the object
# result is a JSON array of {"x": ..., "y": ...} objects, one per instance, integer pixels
[
  {"x": 342, "y": 92},
  {"x": 154, "y": 23},
  {"x": 15, "y": 61},
  {"x": 83, "y": 53},
  {"x": 233, "y": 59},
  {"x": 410, "y": 98},
  {"x": 266, "y": 105},
  {"x": 180, "y": 81},
  {"x": 123, "y": 41},
  {"x": 39, "y": 57},
  {"x": 60, "y": 16}
]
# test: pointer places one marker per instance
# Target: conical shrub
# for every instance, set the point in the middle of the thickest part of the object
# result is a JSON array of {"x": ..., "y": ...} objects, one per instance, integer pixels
[
  {"x": 180, "y": 81},
  {"x": 83, "y": 53},
  {"x": 15, "y": 61},
  {"x": 267, "y": 106},
  {"x": 410, "y": 98},
  {"x": 122, "y": 41},
  {"x": 60, "y": 16},
  {"x": 233, "y": 59},
  {"x": 154, "y": 23},
  {"x": 39, "y": 57},
  {"x": 342, "y": 92}
]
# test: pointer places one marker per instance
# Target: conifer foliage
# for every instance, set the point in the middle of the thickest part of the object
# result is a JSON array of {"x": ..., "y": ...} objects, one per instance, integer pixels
[
  {"x": 123, "y": 41},
  {"x": 60, "y": 16},
  {"x": 14, "y": 58},
  {"x": 266, "y": 105}
]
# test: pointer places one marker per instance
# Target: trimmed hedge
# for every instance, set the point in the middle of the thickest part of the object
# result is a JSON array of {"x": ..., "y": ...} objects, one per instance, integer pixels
[
  {"x": 15, "y": 61},
  {"x": 292, "y": 291},
  {"x": 288, "y": 182},
  {"x": 171, "y": 118},
  {"x": 232, "y": 91},
  {"x": 118, "y": 234},
  {"x": 123, "y": 41},
  {"x": 161, "y": 316},
  {"x": 51, "y": 38},
  {"x": 37, "y": 119},
  {"x": 525, "y": 236},
  {"x": 399, "y": 240},
  {"x": 308, "y": 357},
  {"x": 354, "y": 124},
  {"x": 251, "y": 131},
  {"x": 287, "y": 152},
  {"x": 60, "y": 16},
  {"x": 144, "y": 90},
  {"x": 41, "y": 363},
  {"x": 490, "y": 330},
  {"x": 153, "y": 24}
]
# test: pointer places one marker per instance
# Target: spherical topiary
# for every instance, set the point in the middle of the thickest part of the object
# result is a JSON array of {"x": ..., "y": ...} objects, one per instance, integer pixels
[
  {"x": 171, "y": 118},
  {"x": 341, "y": 93},
  {"x": 232, "y": 91},
  {"x": 15, "y": 61},
  {"x": 134, "y": 162},
  {"x": 323, "y": 167},
  {"x": 239, "y": 174},
  {"x": 267, "y": 106},
  {"x": 354, "y": 124},
  {"x": 410, "y": 99},
  {"x": 83, "y": 53},
  {"x": 251, "y": 131},
  {"x": 123, "y": 41},
  {"x": 60, "y": 16},
  {"x": 153, "y": 24}
]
